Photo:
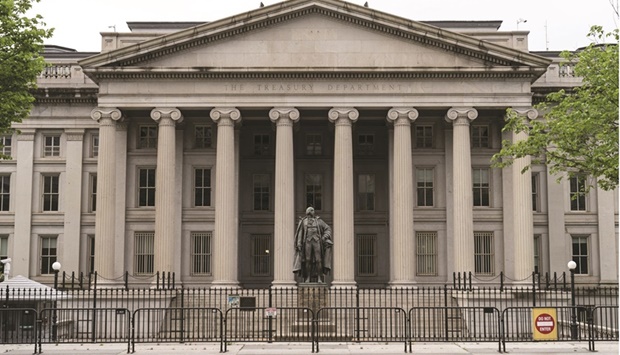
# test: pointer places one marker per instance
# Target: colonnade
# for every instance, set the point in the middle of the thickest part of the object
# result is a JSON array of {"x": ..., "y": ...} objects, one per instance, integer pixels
[{"x": 225, "y": 259}]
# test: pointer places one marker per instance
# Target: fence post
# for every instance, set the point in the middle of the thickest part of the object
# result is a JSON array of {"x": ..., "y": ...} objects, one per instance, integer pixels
[
  {"x": 157, "y": 280},
  {"x": 270, "y": 338},
  {"x": 38, "y": 334},
  {"x": 470, "y": 277},
  {"x": 94, "y": 335},
  {"x": 564, "y": 280},
  {"x": 182, "y": 315},
  {"x": 445, "y": 304},
  {"x": 534, "y": 288},
  {"x": 501, "y": 281},
  {"x": 357, "y": 313},
  {"x": 590, "y": 311}
]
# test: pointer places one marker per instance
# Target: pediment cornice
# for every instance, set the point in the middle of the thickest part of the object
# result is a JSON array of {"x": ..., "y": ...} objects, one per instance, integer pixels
[
  {"x": 312, "y": 73},
  {"x": 140, "y": 54}
]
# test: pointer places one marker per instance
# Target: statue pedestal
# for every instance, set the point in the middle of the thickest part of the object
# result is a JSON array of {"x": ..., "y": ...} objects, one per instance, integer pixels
[{"x": 313, "y": 296}]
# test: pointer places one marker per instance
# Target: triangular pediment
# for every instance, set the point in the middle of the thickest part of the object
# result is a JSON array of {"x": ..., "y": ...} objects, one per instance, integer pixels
[{"x": 314, "y": 36}]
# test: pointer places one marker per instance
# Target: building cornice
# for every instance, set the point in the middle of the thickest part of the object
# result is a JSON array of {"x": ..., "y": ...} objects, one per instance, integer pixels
[
  {"x": 65, "y": 96},
  {"x": 311, "y": 73}
]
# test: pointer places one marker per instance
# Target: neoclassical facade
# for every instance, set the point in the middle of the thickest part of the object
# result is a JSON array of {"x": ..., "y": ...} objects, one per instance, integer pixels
[{"x": 194, "y": 148}]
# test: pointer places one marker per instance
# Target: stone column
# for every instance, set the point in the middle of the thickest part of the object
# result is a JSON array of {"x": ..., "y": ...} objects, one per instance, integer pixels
[
  {"x": 72, "y": 196},
  {"x": 105, "y": 221},
  {"x": 343, "y": 224},
  {"x": 121, "y": 197},
  {"x": 462, "y": 193},
  {"x": 166, "y": 231},
  {"x": 225, "y": 234},
  {"x": 284, "y": 214},
  {"x": 22, "y": 200},
  {"x": 607, "y": 237},
  {"x": 522, "y": 214},
  {"x": 402, "y": 240}
]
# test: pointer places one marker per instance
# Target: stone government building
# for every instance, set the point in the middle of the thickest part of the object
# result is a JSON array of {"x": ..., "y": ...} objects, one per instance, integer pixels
[{"x": 195, "y": 147}]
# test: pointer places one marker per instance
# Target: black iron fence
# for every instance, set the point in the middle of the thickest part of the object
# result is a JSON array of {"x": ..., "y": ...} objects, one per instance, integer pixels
[{"x": 306, "y": 314}]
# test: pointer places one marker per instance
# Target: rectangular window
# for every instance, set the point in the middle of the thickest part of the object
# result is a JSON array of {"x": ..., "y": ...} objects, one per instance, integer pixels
[
  {"x": 537, "y": 250},
  {"x": 366, "y": 244},
  {"x": 147, "y": 137},
  {"x": 261, "y": 255},
  {"x": 535, "y": 192},
  {"x": 49, "y": 254},
  {"x": 92, "y": 203},
  {"x": 365, "y": 144},
  {"x": 5, "y": 145},
  {"x": 51, "y": 193},
  {"x": 261, "y": 144},
  {"x": 480, "y": 179},
  {"x": 202, "y": 187},
  {"x": 424, "y": 136},
  {"x": 425, "y": 178},
  {"x": 146, "y": 194},
  {"x": 94, "y": 145},
  {"x": 202, "y": 137},
  {"x": 484, "y": 253},
  {"x": 426, "y": 252},
  {"x": 314, "y": 144},
  {"x": 580, "y": 253},
  {"x": 4, "y": 250},
  {"x": 144, "y": 256},
  {"x": 577, "y": 193},
  {"x": 366, "y": 192},
  {"x": 201, "y": 253},
  {"x": 91, "y": 254},
  {"x": 5, "y": 192},
  {"x": 480, "y": 136},
  {"x": 261, "y": 192},
  {"x": 51, "y": 145},
  {"x": 314, "y": 191}
]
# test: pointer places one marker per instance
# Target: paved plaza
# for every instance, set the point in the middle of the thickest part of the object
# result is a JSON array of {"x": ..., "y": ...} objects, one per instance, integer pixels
[{"x": 603, "y": 348}]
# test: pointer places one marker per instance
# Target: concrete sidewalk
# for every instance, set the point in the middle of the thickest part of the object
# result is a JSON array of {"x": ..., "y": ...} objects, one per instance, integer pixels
[{"x": 606, "y": 348}]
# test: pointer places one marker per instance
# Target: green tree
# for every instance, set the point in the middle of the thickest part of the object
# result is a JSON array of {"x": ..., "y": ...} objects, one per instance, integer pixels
[
  {"x": 578, "y": 133},
  {"x": 21, "y": 45}
]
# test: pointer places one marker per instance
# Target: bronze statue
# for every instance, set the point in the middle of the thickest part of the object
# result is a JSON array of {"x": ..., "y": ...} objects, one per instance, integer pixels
[{"x": 313, "y": 248}]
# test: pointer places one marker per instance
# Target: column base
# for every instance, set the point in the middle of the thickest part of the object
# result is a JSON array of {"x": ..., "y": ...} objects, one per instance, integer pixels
[
  {"x": 108, "y": 284},
  {"x": 343, "y": 284},
  {"x": 283, "y": 284},
  {"x": 403, "y": 284},
  {"x": 225, "y": 285}
]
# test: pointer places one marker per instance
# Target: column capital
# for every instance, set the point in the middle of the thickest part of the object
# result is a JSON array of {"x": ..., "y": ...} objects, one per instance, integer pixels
[
  {"x": 349, "y": 113},
  {"x": 277, "y": 113},
  {"x": 407, "y": 113},
  {"x": 218, "y": 113},
  {"x": 456, "y": 113},
  {"x": 160, "y": 113},
  {"x": 106, "y": 112},
  {"x": 529, "y": 112}
]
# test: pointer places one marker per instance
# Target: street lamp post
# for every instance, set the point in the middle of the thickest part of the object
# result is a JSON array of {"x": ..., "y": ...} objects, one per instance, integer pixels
[
  {"x": 573, "y": 318},
  {"x": 56, "y": 267}
]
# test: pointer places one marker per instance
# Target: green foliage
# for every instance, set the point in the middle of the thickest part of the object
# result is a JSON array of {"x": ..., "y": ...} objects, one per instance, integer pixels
[
  {"x": 578, "y": 133},
  {"x": 21, "y": 45}
]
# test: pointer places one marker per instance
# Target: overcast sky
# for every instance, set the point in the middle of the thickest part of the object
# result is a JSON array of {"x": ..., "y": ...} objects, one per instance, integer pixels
[{"x": 553, "y": 24}]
